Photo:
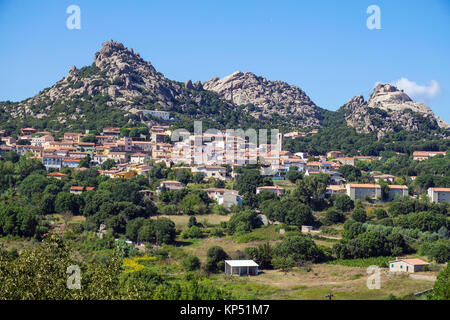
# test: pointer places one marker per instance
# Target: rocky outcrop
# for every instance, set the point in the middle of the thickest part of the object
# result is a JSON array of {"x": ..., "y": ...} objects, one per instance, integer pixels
[
  {"x": 269, "y": 97},
  {"x": 354, "y": 103},
  {"x": 119, "y": 78},
  {"x": 126, "y": 80},
  {"x": 389, "y": 109}
]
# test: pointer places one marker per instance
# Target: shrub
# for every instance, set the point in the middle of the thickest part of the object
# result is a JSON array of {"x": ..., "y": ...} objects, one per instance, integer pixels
[
  {"x": 215, "y": 259},
  {"x": 334, "y": 216},
  {"x": 359, "y": 215},
  {"x": 344, "y": 203},
  {"x": 192, "y": 232},
  {"x": 191, "y": 263}
]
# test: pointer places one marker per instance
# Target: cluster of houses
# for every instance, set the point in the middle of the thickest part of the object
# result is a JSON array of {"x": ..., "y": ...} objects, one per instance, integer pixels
[{"x": 206, "y": 154}]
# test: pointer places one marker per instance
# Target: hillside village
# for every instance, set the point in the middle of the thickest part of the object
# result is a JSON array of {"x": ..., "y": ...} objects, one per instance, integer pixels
[
  {"x": 98, "y": 171},
  {"x": 127, "y": 157}
]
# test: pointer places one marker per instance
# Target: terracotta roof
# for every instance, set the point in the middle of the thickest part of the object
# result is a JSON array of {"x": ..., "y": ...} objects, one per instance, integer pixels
[
  {"x": 270, "y": 188},
  {"x": 414, "y": 262},
  {"x": 441, "y": 189},
  {"x": 397, "y": 187},
  {"x": 76, "y": 188},
  {"x": 57, "y": 174},
  {"x": 356, "y": 185}
]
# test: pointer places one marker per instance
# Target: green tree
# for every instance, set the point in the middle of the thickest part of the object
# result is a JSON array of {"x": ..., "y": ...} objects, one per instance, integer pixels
[
  {"x": 359, "y": 214},
  {"x": 300, "y": 248},
  {"x": 334, "y": 216},
  {"x": 108, "y": 164},
  {"x": 215, "y": 259},
  {"x": 191, "y": 263},
  {"x": 293, "y": 174},
  {"x": 262, "y": 255},
  {"x": 344, "y": 203},
  {"x": 85, "y": 162},
  {"x": 441, "y": 289}
]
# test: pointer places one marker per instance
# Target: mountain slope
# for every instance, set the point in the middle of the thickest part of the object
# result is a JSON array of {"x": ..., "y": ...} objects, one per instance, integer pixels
[
  {"x": 269, "y": 97},
  {"x": 120, "y": 83}
]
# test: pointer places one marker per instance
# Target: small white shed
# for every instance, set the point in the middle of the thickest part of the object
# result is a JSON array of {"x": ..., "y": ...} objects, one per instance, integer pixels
[
  {"x": 241, "y": 267},
  {"x": 407, "y": 265}
]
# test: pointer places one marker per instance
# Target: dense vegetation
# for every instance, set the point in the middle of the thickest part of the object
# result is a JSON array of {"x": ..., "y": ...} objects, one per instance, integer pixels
[{"x": 351, "y": 143}]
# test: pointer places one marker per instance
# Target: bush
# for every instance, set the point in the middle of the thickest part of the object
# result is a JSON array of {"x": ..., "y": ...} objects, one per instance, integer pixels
[
  {"x": 380, "y": 213},
  {"x": 191, "y": 263},
  {"x": 344, "y": 203},
  {"x": 243, "y": 221},
  {"x": 300, "y": 249},
  {"x": 192, "y": 222},
  {"x": 192, "y": 232},
  {"x": 359, "y": 215},
  {"x": 334, "y": 216},
  {"x": 215, "y": 259}
]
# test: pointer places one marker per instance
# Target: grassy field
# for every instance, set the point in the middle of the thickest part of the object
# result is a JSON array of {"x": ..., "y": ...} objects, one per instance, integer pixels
[{"x": 301, "y": 283}]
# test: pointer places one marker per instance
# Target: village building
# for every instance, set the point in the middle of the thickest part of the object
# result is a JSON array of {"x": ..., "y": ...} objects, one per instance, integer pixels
[
  {"x": 274, "y": 189},
  {"x": 335, "y": 190},
  {"x": 217, "y": 172},
  {"x": 386, "y": 177},
  {"x": 346, "y": 160},
  {"x": 424, "y": 155},
  {"x": 164, "y": 115},
  {"x": 24, "y": 149},
  {"x": 170, "y": 185},
  {"x": 27, "y": 131},
  {"x": 439, "y": 195},
  {"x": 69, "y": 162},
  {"x": 41, "y": 141},
  {"x": 57, "y": 175},
  {"x": 360, "y": 191},
  {"x": 241, "y": 267},
  {"x": 52, "y": 161},
  {"x": 224, "y": 197},
  {"x": 334, "y": 154},
  {"x": 307, "y": 229},
  {"x": 397, "y": 190},
  {"x": 138, "y": 158},
  {"x": 407, "y": 265},
  {"x": 79, "y": 190}
]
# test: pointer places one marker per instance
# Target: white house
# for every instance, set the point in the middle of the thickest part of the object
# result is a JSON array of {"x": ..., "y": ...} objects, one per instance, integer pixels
[
  {"x": 241, "y": 267},
  {"x": 224, "y": 197},
  {"x": 407, "y": 265},
  {"x": 164, "y": 115},
  {"x": 40, "y": 141},
  {"x": 138, "y": 158},
  {"x": 217, "y": 172}
]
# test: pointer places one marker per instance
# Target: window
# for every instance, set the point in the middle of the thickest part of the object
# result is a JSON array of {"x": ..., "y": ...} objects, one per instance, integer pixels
[
  {"x": 401, "y": 267},
  {"x": 392, "y": 265}
]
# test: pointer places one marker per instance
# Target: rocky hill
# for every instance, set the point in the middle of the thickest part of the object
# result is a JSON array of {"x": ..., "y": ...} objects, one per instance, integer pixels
[
  {"x": 389, "y": 109},
  {"x": 119, "y": 83},
  {"x": 269, "y": 97}
]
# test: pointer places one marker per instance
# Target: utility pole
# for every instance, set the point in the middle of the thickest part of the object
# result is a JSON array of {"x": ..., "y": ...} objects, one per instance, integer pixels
[{"x": 329, "y": 296}]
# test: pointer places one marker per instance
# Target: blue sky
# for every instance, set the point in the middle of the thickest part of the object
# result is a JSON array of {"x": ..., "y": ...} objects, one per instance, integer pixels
[{"x": 324, "y": 47}]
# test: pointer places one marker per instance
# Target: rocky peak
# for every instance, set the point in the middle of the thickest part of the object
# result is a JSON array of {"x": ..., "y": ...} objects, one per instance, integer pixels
[
  {"x": 386, "y": 93},
  {"x": 354, "y": 103},
  {"x": 270, "y": 97},
  {"x": 389, "y": 108}
]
